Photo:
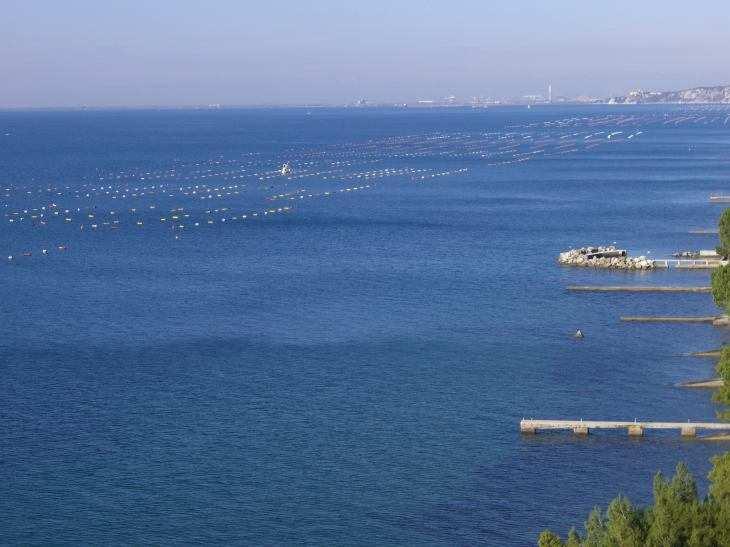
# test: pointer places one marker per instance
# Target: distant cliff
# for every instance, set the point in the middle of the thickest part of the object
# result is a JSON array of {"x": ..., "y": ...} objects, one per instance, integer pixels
[{"x": 713, "y": 94}]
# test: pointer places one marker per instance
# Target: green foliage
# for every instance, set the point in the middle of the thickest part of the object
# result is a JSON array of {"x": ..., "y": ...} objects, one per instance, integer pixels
[
  {"x": 721, "y": 286},
  {"x": 595, "y": 529},
  {"x": 573, "y": 539},
  {"x": 722, "y": 395},
  {"x": 720, "y": 478},
  {"x": 549, "y": 539},
  {"x": 723, "y": 365},
  {"x": 674, "y": 506},
  {"x": 677, "y": 518},
  {"x": 722, "y": 524},
  {"x": 724, "y": 230},
  {"x": 704, "y": 525},
  {"x": 625, "y": 524}
]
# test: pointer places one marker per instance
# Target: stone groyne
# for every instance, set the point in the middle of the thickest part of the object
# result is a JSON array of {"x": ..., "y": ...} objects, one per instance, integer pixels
[{"x": 604, "y": 257}]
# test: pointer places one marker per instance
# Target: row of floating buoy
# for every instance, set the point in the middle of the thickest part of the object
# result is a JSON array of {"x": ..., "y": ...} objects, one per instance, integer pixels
[
  {"x": 330, "y": 193},
  {"x": 442, "y": 174},
  {"x": 177, "y": 226}
]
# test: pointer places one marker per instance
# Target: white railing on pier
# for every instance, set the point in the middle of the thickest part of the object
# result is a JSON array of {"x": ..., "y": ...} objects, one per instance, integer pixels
[{"x": 687, "y": 263}]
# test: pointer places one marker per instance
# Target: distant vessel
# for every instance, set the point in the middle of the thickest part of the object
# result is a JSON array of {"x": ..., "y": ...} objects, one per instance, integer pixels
[{"x": 286, "y": 170}]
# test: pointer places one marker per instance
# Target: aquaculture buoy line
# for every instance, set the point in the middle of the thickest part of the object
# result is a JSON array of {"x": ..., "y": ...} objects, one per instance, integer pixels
[
  {"x": 188, "y": 195},
  {"x": 411, "y": 145}
]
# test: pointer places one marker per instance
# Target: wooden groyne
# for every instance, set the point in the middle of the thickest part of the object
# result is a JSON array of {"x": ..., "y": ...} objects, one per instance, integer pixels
[
  {"x": 632, "y": 288},
  {"x": 668, "y": 319},
  {"x": 635, "y": 428}
]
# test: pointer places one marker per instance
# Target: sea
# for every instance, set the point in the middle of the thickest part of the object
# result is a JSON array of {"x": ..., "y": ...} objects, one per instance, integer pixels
[{"x": 196, "y": 348}]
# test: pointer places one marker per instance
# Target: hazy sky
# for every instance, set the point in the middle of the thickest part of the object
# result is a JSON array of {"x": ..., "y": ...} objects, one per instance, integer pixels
[{"x": 178, "y": 52}]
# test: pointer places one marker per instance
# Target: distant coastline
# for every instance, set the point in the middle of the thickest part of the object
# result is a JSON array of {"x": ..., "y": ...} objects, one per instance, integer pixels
[
  {"x": 719, "y": 94},
  {"x": 701, "y": 95}
]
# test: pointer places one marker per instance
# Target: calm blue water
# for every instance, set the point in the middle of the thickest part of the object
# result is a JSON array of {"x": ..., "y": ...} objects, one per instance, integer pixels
[{"x": 351, "y": 366}]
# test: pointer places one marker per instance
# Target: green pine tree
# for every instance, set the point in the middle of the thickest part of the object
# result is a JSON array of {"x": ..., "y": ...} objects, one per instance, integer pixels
[
  {"x": 671, "y": 517},
  {"x": 625, "y": 524},
  {"x": 720, "y": 478},
  {"x": 595, "y": 529}
]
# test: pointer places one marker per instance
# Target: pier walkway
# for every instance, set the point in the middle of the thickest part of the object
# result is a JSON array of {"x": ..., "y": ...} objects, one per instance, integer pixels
[
  {"x": 582, "y": 427},
  {"x": 688, "y": 263},
  {"x": 669, "y": 319},
  {"x": 634, "y": 288}
]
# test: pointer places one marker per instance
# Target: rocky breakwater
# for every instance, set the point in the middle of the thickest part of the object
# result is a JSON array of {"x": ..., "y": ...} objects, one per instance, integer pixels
[{"x": 604, "y": 257}]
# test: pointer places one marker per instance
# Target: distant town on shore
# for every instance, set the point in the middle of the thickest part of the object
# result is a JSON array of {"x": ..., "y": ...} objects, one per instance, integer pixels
[{"x": 719, "y": 94}]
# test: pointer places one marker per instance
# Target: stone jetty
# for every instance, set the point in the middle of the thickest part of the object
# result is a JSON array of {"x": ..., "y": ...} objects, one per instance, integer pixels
[
  {"x": 635, "y": 428},
  {"x": 604, "y": 257}
]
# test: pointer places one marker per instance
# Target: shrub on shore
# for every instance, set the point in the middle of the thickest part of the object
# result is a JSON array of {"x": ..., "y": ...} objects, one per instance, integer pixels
[
  {"x": 678, "y": 516},
  {"x": 722, "y": 395},
  {"x": 721, "y": 286},
  {"x": 724, "y": 231}
]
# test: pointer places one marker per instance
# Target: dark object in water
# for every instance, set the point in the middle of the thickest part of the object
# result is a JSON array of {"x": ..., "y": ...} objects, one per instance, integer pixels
[{"x": 578, "y": 334}]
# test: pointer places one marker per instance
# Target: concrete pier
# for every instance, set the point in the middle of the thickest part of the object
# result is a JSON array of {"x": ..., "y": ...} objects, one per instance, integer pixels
[
  {"x": 688, "y": 263},
  {"x": 635, "y": 429},
  {"x": 668, "y": 319},
  {"x": 705, "y": 384},
  {"x": 714, "y": 353},
  {"x": 634, "y": 288}
]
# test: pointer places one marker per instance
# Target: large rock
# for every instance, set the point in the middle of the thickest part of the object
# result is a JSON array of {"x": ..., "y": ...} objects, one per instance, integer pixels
[{"x": 585, "y": 257}]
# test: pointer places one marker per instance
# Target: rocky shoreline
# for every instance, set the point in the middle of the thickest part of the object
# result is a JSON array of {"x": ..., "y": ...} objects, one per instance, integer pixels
[{"x": 604, "y": 257}]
